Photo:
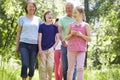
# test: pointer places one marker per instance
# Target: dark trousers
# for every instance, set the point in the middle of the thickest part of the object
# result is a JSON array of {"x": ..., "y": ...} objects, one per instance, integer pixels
[{"x": 28, "y": 54}]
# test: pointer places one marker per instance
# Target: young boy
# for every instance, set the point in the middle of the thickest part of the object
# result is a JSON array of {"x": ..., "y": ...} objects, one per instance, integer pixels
[{"x": 47, "y": 41}]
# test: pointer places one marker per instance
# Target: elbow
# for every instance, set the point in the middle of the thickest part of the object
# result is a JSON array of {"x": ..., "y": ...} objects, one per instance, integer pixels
[{"x": 89, "y": 40}]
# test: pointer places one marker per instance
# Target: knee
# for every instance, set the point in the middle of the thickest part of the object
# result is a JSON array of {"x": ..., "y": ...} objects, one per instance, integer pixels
[
  {"x": 25, "y": 65},
  {"x": 80, "y": 69}
]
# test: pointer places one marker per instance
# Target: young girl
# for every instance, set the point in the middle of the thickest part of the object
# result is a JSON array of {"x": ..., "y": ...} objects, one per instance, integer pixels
[
  {"x": 78, "y": 36},
  {"x": 57, "y": 59},
  {"x": 47, "y": 41}
]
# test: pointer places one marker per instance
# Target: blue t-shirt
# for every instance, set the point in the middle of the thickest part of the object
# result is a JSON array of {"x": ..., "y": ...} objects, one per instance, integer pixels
[
  {"x": 48, "y": 35},
  {"x": 30, "y": 28}
]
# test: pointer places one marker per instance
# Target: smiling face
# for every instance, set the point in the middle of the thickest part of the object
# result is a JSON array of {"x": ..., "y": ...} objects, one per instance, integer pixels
[
  {"x": 30, "y": 8},
  {"x": 69, "y": 9},
  {"x": 76, "y": 13},
  {"x": 48, "y": 16}
]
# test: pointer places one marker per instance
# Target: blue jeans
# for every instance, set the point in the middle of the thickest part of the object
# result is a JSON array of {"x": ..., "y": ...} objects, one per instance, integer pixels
[
  {"x": 28, "y": 58},
  {"x": 65, "y": 63}
]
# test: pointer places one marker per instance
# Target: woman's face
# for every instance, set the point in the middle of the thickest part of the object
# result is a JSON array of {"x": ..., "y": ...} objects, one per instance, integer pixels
[
  {"x": 30, "y": 8},
  {"x": 76, "y": 13},
  {"x": 49, "y": 17}
]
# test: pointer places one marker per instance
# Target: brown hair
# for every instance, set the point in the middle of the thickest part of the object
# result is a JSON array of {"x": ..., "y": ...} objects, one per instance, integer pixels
[
  {"x": 49, "y": 11},
  {"x": 80, "y": 9},
  {"x": 27, "y": 5}
]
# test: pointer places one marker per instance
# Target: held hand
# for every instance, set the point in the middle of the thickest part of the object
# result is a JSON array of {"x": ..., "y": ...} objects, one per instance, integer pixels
[
  {"x": 74, "y": 32},
  {"x": 64, "y": 43},
  {"x": 79, "y": 34}
]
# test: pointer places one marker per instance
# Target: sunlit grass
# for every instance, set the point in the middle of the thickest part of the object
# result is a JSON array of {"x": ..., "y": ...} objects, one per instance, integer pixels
[{"x": 10, "y": 70}]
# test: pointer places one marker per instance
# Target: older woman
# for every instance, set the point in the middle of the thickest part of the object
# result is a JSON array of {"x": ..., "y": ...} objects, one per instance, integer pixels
[{"x": 27, "y": 39}]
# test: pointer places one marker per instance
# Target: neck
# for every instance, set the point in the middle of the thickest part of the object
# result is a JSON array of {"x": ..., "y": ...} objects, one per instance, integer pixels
[
  {"x": 48, "y": 23},
  {"x": 79, "y": 19},
  {"x": 30, "y": 15},
  {"x": 69, "y": 15}
]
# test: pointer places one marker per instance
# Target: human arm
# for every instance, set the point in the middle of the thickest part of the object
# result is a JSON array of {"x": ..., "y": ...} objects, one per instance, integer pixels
[
  {"x": 39, "y": 44},
  {"x": 57, "y": 40},
  {"x": 19, "y": 29},
  {"x": 69, "y": 35},
  {"x": 86, "y": 37}
]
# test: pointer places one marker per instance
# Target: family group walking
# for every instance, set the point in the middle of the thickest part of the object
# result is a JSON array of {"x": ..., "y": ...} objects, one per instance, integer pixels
[{"x": 60, "y": 46}]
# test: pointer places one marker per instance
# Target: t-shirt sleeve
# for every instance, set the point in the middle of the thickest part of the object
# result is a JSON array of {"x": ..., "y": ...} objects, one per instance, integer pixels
[
  {"x": 20, "y": 21},
  {"x": 56, "y": 29},
  {"x": 40, "y": 21},
  {"x": 40, "y": 28}
]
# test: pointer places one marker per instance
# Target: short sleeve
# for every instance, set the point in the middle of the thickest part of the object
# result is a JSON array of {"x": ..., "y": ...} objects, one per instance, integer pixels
[
  {"x": 40, "y": 21},
  {"x": 20, "y": 21},
  {"x": 56, "y": 29},
  {"x": 40, "y": 29}
]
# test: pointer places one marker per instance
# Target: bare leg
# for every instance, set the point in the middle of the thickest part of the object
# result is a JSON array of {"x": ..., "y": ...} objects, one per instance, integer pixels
[
  {"x": 23, "y": 78},
  {"x": 30, "y": 78}
]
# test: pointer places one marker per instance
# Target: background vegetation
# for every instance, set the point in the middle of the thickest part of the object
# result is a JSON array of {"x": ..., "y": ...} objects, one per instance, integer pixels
[{"x": 103, "y": 56}]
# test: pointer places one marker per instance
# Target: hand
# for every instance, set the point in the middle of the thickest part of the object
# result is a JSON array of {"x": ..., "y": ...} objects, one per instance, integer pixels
[
  {"x": 40, "y": 52},
  {"x": 64, "y": 43},
  {"x": 56, "y": 24},
  {"x": 17, "y": 50},
  {"x": 73, "y": 32},
  {"x": 79, "y": 34}
]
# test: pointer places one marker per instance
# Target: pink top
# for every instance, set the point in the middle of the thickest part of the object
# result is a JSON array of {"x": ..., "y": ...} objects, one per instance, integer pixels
[{"x": 77, "y": 43}]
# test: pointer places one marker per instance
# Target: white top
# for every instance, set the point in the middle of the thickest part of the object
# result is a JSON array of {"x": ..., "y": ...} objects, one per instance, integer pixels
[
  {"x": 58, "y": 47},
  {"x": 29, "y": 32}
]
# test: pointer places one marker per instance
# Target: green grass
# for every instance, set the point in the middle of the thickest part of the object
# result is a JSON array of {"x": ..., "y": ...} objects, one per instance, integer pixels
[
  {"x": 10, "y": 70},
  {"x": 106, "y": 73}
]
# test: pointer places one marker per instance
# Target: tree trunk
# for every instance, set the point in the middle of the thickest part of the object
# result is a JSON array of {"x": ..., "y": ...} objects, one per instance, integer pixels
[{"x": 86, "y": 5}]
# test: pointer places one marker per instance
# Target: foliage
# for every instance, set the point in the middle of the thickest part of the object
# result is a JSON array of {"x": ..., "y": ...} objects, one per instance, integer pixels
[
  {"x": 106, "y": 73},
  {"x": 105, "y": 17}
]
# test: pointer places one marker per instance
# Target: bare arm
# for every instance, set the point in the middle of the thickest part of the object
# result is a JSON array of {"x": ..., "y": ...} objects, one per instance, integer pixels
[
  {"x": 69, "y": 35},
  {"x": 18, "y": 37},
  {"x": 39, "y": 43},
  {"x": 88, "y": 36},
  {"x": 57, "y": 40},
  {"x": 60, "y": 32}
]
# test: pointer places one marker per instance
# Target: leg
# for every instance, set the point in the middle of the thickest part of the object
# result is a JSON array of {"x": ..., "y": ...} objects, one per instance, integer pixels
[
  {"x": 80, "y": 65},
  {"x": 25, "y": 59},
  {"x": 71, "y": 64},
  {"x": 64, "y": 62},
  {"x": 32, "y": 59},
  {"x": 30, "y": 78},
  {"x": 56, "y": 62},
  {"x": 60, "y": 66},
  {"x": 42, "y": 66},
  {"x": 74, "y": 73},
  {"x": 50, "y": 63},
  {"x": 23, "y": 78}
]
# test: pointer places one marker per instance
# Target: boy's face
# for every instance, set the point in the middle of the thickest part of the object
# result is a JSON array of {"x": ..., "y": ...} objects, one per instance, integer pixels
[{"x": 49, "y": 17}]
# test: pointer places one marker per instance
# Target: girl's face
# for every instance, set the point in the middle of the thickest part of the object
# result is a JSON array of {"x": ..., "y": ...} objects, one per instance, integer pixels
[
  {"x": 76, "y": 13},
  {"x": 49, "y": 17},
  {"x": 30, "y": 8}
]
